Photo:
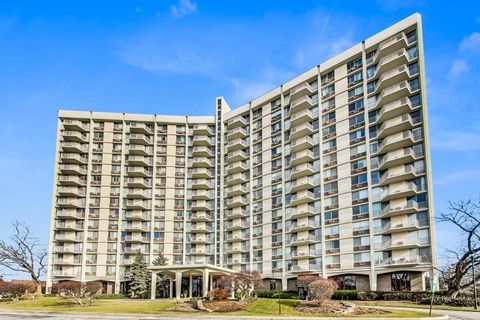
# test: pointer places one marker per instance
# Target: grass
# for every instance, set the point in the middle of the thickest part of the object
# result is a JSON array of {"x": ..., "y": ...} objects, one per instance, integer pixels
[
  {"x": 260, "y": 307},
  {"x": 412, "y": 305}
]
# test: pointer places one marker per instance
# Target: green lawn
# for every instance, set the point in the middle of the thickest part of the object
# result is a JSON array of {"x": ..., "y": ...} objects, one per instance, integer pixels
[
  {"x": 260, "y": 307},
  {"x": 411, "y": 304}
]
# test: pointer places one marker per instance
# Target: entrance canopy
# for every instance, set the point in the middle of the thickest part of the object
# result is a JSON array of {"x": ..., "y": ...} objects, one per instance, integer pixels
[{"x": 177, "y": 271}]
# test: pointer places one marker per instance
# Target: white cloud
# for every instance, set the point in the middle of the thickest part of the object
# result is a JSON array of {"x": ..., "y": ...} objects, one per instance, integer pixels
[
  {"x": 456, "y": 141},
  {"x": 457, "y": 68},
  {"x": 183, "y": 8},
  {"x": 472, "y": 42},
  {"x": 456, "y": 177}
]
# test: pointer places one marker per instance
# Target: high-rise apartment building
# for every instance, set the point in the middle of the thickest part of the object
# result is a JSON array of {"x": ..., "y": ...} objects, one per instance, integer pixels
[{"x": 326, "y": 174}]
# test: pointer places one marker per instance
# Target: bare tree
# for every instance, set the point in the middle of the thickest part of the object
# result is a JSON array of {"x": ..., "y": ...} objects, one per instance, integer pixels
[
  {"x": 23, "y": 253},
  {"x": 465, "y": 215}
]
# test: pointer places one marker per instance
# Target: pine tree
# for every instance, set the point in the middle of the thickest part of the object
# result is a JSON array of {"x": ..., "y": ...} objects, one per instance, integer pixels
[
  {"x": 139, "y": 277},
  {"x": 162, "y": 280}
]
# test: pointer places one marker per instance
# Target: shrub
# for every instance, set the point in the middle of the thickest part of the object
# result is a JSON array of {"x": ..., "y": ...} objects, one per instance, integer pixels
[
  {"x": 111, "y": 296},
  {"x": 14, "y": 290},
  {"x": 218, "y": 294},
  {"x": 79, "y": 291},
  {"x": 345, "y": 295},
  {"x": 273, "y": 294},
  {"x": 304, "y": 280},
  {"x": 321, "y": 290},
  {"x": 449, "y": 301}
]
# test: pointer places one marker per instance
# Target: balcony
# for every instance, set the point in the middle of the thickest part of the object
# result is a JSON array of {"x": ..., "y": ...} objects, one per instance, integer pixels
[
  {"x": 138, "y": 138},
  {"x": 237, "y": 225},
  {"x": 407, "y": 189},
  {"x": 238, "y": 155},
  {"x": 236, "y": 122},
  {"x": 201, "y": 162},
  {"x": 139, "y": 160},
  {"x": 236, "y": 190},
  {"x": 304, "y": 254},
  {"x": 403, "y": 244},
  {"x": 71, "y": 191},
  {"x": 73, "y": 158},
  {"x": 236, "y": 179},
  {"x": 302, "y": 157},
  {"x": 302, "y": 226},
  {"x": 237, "y": 249},
  {"x": 237, "y": 144},
  {"x": 201, "y": 239},
  {"x": 69, "y": 225},
  {"x": 237, "y": 133},
  {"x": 302, "y": 170},
  {"x": 140, "y": 226},
  {"x": 301, "y": 117},
  {"x": 395, "y": 109},
  {"x": 305, "y": 268},
  {"x": 202, "y": 129},
  {"x": 202, "y": 195},
  {"x": 301, "y": 144},
  {"x": 203, "y": 141},
  {"x": 201, "y": 229},
  {"x": 304, "y": 89},
  {"x": 137, "y": 238},
  {"x": 236, "y": 201},
  {"x": 72, "y": 181},
  {"x": 237, "y": 167},
  {"x": 302, "y": 211},
  {"x": 74, "y": 136},
  {"x": 202, "y": 205},
  {"x": 201, "y": 217},
  {"x": 69, "y": 214},
  {"x": 195, "y": 251},
  {"x": 301, "y": 130},
  {"x": 302, "y": 197},
  {"x": 405, "y": 261},
  {"x": 304, "y": 240},
  {"x": 138, "y": 127},
  {"x": 68, "y": 237},
  {"x": 72, "y": 169},
  {"x": 137, "y": 193},
  {"x": 302, "y": 184},
  {"x": 409, "y": 172},
  {"x": 236, "y": 213},
  {"x": 202, "y": 151},
  {"x": 410, "y": 207},
  {"x": 137, "y": 215},
  {"x": 398, "y": 157},
  {"x": 398, "y": 124},
  {"x": 303, "y": 103},
  {"x": 201, "y": 184},
  {"x": 388, "y": 46},
  {"x": 139, "y": 172},
  {"x": 138, "y": 182},
  {"x": 202, "y": 173},
  {"x": 137, "y": 204},
  {"x": 394, "y": 92},
  {"x": 402, "y": 226},
  {"x": 397, "y": 141},
  {"x": 391, "y": 77},
  {"x": 75, "y": 125},
  {"x": 74, "y": 147},
  {"x": 236, "y": 238}
]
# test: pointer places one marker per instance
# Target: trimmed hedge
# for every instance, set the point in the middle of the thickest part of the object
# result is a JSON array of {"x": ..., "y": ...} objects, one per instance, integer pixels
[
  {"x": 272, "y": 294},
  {"x": 448, "y": 301},
  {"x": 111, "y": 296}
]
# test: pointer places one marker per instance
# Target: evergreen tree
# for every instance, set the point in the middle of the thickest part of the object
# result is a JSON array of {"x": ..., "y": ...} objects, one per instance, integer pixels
[
  {"x": 139, "y": 277},
  {"x": 162, "y": 280}
]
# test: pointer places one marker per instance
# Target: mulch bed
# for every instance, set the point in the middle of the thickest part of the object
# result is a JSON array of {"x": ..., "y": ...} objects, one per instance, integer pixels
[
  {"x": 335, "y": 307},
  {"x": 225, "y": 305}
]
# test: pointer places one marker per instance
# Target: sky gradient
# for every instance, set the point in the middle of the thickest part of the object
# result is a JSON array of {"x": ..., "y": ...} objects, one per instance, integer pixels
[{"x": 175, "y": 57}]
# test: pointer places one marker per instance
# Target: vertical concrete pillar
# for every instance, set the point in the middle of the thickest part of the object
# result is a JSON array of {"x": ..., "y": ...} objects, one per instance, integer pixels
[
  {"x": 190, "y": 286},
  {"x": 205, "y": 283},
  {"x": 284, "y": 283},
  {"x": 178, "y": 284},
  {"x": 373, "y": 281},
  {"x": 170, "y": 288},
  {"x": 153, "y": 285}
]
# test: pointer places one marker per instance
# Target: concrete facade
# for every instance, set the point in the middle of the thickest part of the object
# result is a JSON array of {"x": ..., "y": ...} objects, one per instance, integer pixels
[{"x": 326, "y": 174}]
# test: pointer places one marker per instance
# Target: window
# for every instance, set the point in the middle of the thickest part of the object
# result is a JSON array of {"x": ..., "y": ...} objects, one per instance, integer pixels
[
  {"x": 360, "y": 210},
  {"x": 357, "y": 135},
  {"x": 412, "y": 36},
  {"x": 354, "y": 93},
  {"x": 401, "y": 281},
  {"x": 371, "y": 86},
  {"x": 360, "y": 195},
  {"x": 354, "y": 64},
  {"x": 362, "y": 178},
  {"x": 414, "y": 84},
  {"x": 361, "y": 242},
  {"x": 358, "y": 120},
  {"x": 332, "y": 230},
  {"x": 328, "y": 90},
  {"x": 355, "y": 106},
  {"x": 331, "y": 215},
  {"x": 328, "y": 77},
  {"x": 412, "y": 53},
  {"x": 371, "y": 71},
  {"x": 332, "y": 244},
  {"x": 347, "y": 282},
  {"x": 413, "y": 69},
  {"x": 357, "y": 76},
  {"x": 357, "y": 150},
  {"x": 328, "y": 104},
  {"x": 359, "y": 164}
]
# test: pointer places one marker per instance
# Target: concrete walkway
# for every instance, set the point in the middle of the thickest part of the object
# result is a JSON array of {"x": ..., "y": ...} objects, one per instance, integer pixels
[
  {"x": 14, "y": 315},
  {"x": 453, "y": 314}
]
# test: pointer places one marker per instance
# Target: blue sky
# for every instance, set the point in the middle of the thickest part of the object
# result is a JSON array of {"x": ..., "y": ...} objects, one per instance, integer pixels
[{"x": 175, "y": 57}]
